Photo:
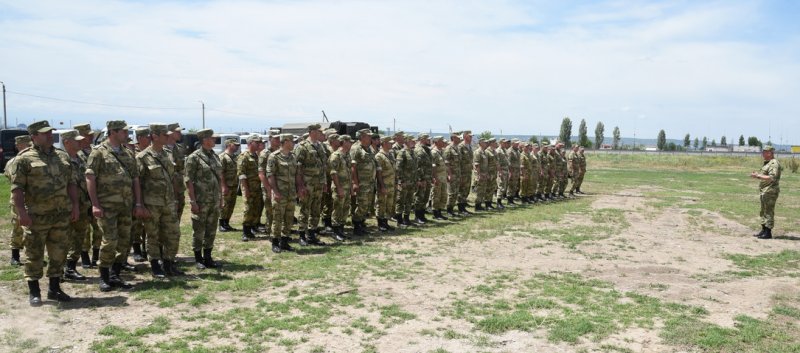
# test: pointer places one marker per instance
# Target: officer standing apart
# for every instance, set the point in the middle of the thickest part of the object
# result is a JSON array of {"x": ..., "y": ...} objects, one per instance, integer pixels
[
  {"x": 44, "y": 192},
  {"x": 202, "y": 179},
  {"x": 21, "y": 143},
  {"x": 112, "y": 179},
  {"x": 283, "y": 181},
  {"x": 229, "y": 183},
  {"x": 311, "y": 163},
  {"x": 769, "y": 187}
]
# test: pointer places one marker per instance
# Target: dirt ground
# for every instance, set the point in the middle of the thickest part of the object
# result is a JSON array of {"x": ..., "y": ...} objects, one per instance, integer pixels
[{"x": 666, "y": 256}]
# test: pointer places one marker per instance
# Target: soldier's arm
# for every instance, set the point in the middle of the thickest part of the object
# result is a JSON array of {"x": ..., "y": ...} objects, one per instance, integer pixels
[
  {"x": 299, "y": 182},
  {"x": 273, "y": 184},
  {"x": 379, "y": 177}
]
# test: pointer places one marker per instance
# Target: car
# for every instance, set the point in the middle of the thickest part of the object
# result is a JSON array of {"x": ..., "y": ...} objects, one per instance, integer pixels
[{"x": 8, "y": 145}]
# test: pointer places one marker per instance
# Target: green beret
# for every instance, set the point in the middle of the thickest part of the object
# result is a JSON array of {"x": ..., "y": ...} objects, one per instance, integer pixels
[
  {"x": 117, "y": 124},
  {"x": 313, "y": 127},
  {"x": 364, "y": 132},
  {"x": 142, "y": 131},
  {"x": 205, "y": 133},
  {"x": 22, "y": 139},
  {"x": 254, "y": 138},
  {"x": 232, "y": 141},
  {"x": 83, "y": 129},
  {"x": 768, "y": 148},
  {"x": 387, "y": 139},
  {"x": 71, "y": 135},
  {"x": 287, "y": 137},
  {"x": 39, "y": 127},
  {"x": 345, "y": 138},
  {"x": 159, "y": 129}
]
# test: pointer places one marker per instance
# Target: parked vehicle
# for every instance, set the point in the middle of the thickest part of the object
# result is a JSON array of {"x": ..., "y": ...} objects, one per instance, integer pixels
[{"x": 7, "y": 144}]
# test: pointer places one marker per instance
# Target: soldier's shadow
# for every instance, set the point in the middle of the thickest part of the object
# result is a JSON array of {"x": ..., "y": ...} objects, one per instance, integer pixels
[
  {"x": 91, "y": 302},
  {"x": 787, "y": 237}
]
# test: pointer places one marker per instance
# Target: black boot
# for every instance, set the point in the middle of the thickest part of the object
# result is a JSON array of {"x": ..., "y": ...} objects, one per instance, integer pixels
[
  {"x": 54, "y": 291},
  {"x": 15, "y": 257},
  {"x": 364, "y": 228},
  {"x": 767, "y": 234},
  {"x": 382, "y": 226},
  {"x": 488, "y": 205},
  {"x": 761, "y": 233},
  {"x": 328, "y": 225},
  {"x": 313, "y": 239},
  {"x": 86, "y": 262},
  {"x": 338, "y": 233},
  {"x": 407, "y": 220},
  {"x": 500, "y": 204},
  {"x": 229, "y": 227},
  {"x": 386, "y": 224},
  {"x": 284, "y": 244},
  {"x": 462, "y": 209},
  {"x": 158, "y": 272},
  {"x": 172, "y": 269},
  {"x": 95, "y": 256},
  {"x": 34, "y": 294},
  {"x": 450, "y": 212},
  {"x": 358, "y": 229},
  {"x": 276, "y": 246},
  {"x": 105, "y": 281},
  {"x": 511, "y": 201},
  {"x": 419, "y": 217},
  {"x": 208, "y": 261},
  {"x": 398, "y": 218},
  {"x": 246, "y": 233},
  {"x": 115, "y": 278},
  {"x": 422, "y": 216},
  {"x": 137, "y": 253},
  {"x": 70, "y": 271},
  {"x": 303, "y": 241},
  {"x": 222, "y": 227},
  {"x": 198, "y": 260},
  {"x": 479, "y": 207}
]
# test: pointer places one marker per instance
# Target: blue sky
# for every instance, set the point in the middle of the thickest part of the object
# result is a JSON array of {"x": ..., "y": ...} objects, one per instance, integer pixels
[{"x": 705, "y": 68}]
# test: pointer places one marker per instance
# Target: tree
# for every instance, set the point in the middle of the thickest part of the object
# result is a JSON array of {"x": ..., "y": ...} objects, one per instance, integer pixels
[
  {"x": 672, "y": 146},
  {"x": 696, "y": 142},
  {"x": 566, "y": 131},
  {"x": 485, "y": 135},
  {"x": 741, "y": 140},
  {"x": 598, "y": 134},
  {"x": 687, "y": 141},
  {"x": 545, "y": 139},
  {"x": 617, "y": 137},
  {"x": 713, "y": 142},
  {"x": 661, "y": 141},
  {"x": 533, "y": 139},
  {"x": 583, "y": 139},
  {"x": 705, "y": 143},
  {"x": 723, "y": 141},
  {"x": 753, "y": 141}
]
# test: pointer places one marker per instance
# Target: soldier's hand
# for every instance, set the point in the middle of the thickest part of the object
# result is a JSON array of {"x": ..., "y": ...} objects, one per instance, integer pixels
[
  {"x": 246, "y": 193},
  {"x": 143, "y": 212},
  {"x": 75, "y": 214},
  {"x": 225, "y": 190},
  {"x": 382, "y": 191},
  {"x": 195, "y": 208},
  {"x": 276, "y": 195},
  {"x": 97, "y": 212},
  {"x": 355, "y": 189},
  {"x": 25, "y": 219}
]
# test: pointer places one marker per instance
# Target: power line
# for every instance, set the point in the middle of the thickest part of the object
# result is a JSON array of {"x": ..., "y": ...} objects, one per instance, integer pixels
[{"x": 98, "y": 104}]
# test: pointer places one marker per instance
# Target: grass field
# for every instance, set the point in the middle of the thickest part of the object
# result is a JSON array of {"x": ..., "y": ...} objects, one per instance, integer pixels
[{"x": 657, "y": 258}]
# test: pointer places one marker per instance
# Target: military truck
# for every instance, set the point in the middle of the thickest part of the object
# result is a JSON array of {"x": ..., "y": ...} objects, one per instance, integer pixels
[{"x": 342, "y": 128}]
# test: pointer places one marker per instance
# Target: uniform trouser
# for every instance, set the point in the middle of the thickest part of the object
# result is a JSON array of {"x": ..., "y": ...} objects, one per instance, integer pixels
[
  {"x": 546, "y": 184},
  {"x": 405, "y": 199},
  {"x": 341, "y": 206},
  {"x": 282, "y": 216},
  {"x": 502, "y": 184},
  {"x": 453, "y": 189},
  {"x": 465, "y": 185},
  {"x": 77, "y": 232},
  {"x": 477, "y": 188},
  {"x": 311, "y": 205},
  {"x": 95, "y": 238},
  {"x": 579, "y": 180},
  {"x": 228, "y": 203},
  {"x": 253, "y": 205},
  {"x": 491, "y": 186},
  {"x": 327, "y": 204},
  {"x": 365, "y": 197},
  {"x": 439, "y": 194},
  {"x": 373, "y": 201},
  {"x": 562, "y": 186},
  {"x": 525, "y": 187},
  {"x": 422, "y": 195},
  {"x": 386, "y": 202},
  {"x": 48, "y": 232},
  {"x": 267, "y": 199},
  {"x": 513, "y": 183},
  {"x": 115, "y": 230},
  {"x": 204, "y": 226},
  {"x": 163, "y": 233},
  {"x": 556, "y": 180},
  {"x": 16, "y": 231},
  {"x": 533, "y": 183},
  {"x": 137, "y": 232},
  {"x": 180, "y": 204},
  {"x": 767, "y": 213}
]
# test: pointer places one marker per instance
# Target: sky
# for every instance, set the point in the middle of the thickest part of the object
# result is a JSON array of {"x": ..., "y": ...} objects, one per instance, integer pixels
[{"x": 707, "y": 68}]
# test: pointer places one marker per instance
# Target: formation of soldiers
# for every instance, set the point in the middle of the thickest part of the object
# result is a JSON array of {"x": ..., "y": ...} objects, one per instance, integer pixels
[{"x": 120, "y": 196}]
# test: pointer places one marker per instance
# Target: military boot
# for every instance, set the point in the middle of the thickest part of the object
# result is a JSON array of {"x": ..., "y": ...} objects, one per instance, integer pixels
[
  {"x": 382, "y": 225},
  {"x": 158, "y": 272},
  {"x": 137, "y": 253},
  {"x": 438, "y": 215},
  {"x": 229, "y": 227},
  {"x": 171, "y": 268},
  {"x": 208, "y": 261},
  {"x": 246, "y": 233},
  {"x": 222, "y": 227},
  {"x": 462, "y": 209},
  {"x": 500, "y": 204},
  {"x": 115, "y": 278},
  {"x": 15, "y": 257},
  {"x": 407, "y": 220},
  {"x": 71, "y": 272},
  {"x": 276, "y": 246},
  {"x": 54, "y": 291},
  {"x": 419, "y": 218},
  {"x": 511, "y": 202},
  {"x": 105, "y": 281},
  {"x": 303, "y": 241},
  {"x": 328, "y": 225},
  {"x": 34, "y": 293},
  {"x": 338, "y": 233},
  {"x": 450, "y": 212},
  {"x": 488, "y": 205},
  {"x": 313, "y": 239},
  {"x": 422, "y": 216},
  {"x": 284, "y": 244},
  {"x": 86, "y": 262},
  {"x": 198, "y": 260},
  {"x": 478, "y": 207},
  {"x": 767, "y": 234},
  {"x": 95, "y": 256},
  {"x": 761, "y": 233}
]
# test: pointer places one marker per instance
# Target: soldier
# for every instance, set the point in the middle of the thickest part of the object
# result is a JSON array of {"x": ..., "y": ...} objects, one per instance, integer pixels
[
  {"x": 230, "y": 183},
  {"x": 441, "y": 173},
  {"x": 178, "y": 151},
  {"x": 490, "y": 187},
  {"x": 374, "y": 149},
  {"x": 467, "y": 166},
  {"x": 582, "y": 165},
  {"x": 204, "y": 181},
  {"x": 283, "y": 182},
  {"x": 43, "y": 189},
  {"x": 311, "y": 162},
  {"x": 157, "y": 181},
  {"x": 452, "y": 160},
  {"x": 525, "y": 171},
  {"x": 545, "y": 182},
  {"x": 564, "y": 175},
  {"x": 250, "y": 184},
  {"x": 339, "y": 167},
  {"x": 399, "y": 142},
  {"x": 112, "y": 179},
  {"x": 480, "y": 173},
  {"x": 363, "y": 174},
  {"x": 386, "y": 163},
  {"x": 501, "y": 155},
  {"x": 21, "y": 143},
  {"x": 769, "y": 177},
  {"x": 536, "y": 173},
  {"x": 406, "y": 182},
  {"x": 573, "y": 167},
  {"x": 331, "y": 145},
  {"x": 138, "y": 238},
  {"x": 263, "y": 158},
  {"x": 93, "y": 239},
  {"x": 79, "y": 229},
  {"x": 514, "y": 165},
  {"x": 422, "y": 153}
]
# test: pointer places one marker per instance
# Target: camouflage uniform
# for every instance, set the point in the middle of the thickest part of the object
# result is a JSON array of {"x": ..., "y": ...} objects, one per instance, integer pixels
[
  {"x": 490, "y": 187},
  {"x": 536, "y": 173},
  {"x": 514, "y": 167},
  {"x": 247, "y": 167},
  {"x": 452, "y": 160},
  {"x": 138, "y": 236},
  {"x": 157, "y": 180},
  {"x": 545, "y": 183},
  {"x": 439, "y": 190},
  {"x": 311, "y": 159},
  {"x": 339, "y": 167},
  {"x": 407, "y": 181},
  {"x": 282, "y": 167},
  {"x": 466, "y": 153},
  {"x": 769, "y": 190},
  {"x": 179, "y": 157},
  {"x": 480, "y": 174},
  {"x": 263, "y": 159},
  {"x": 203, "y": 171},
  {"x": 501, "y": 156},
  {"x": 230, "y": 174},
  {"x": 93, "y": 238},
  {"x": 16, "y": 230},
  {"x": 422, "y": 153},
  {"x": 78, "y": 230},
  {"x": 327, "y": 197},
  {"x": 579, "y": 180},
  {"x": 387, "y": 164},
  {"x": 364, "y": 163}
]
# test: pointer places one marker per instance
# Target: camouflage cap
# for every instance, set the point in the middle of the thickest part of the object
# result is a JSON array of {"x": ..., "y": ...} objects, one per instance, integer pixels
[
  {"x": 116, "y": 124},
  {"x": 232, "y": 141},
  {"x": 408, "y": 137},
  {"x": 287, "y": 137},
  {"x": 364, "y": 132},
  {"x": 376, "y": 136},
  {"x": 254, "y": 138},
  {"x": 158, "y": 129},
  {"x": 83, "y": 129},
  {"x": 39, "y": 127},
  {"x": 71, "y": 135},
  {"x": 329, "y": 131},
  {"x": 491, "y": 140},
  {"x": 313, "y": 127},
  {"x": 456, "y": 134},
  {"x": 142, "y": 131},
  {"x": 174, "y": 127},
  {"x": 514, "y": 140},
  {"x": 345, "y": 138},
  {"x": 503, "y": 140},
  {"x": 205, "y": 133},
  {"x": 333, "y": 137},
  {"x": 22, "y": 139},
  {"x": 305, "y": 135},
  {"x": 768, "y": 148},
  {"x": 437, "y": 138},
  {"x": 386, "y": 139},
  {"x": 466, "y": 132},
  {"x": 399, "y": 133},
  {"x": 423, "y": 136}
]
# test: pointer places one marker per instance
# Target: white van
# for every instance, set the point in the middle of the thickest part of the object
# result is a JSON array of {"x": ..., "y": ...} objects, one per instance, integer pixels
[{"x": 220, "y": 141}]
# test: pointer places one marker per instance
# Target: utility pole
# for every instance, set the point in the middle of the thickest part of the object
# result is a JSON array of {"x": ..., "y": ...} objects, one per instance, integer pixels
[
  {"x": 325, "y": 117},
  {"x": 5, "y": 123},
  {"x": 203, "y": 106}
]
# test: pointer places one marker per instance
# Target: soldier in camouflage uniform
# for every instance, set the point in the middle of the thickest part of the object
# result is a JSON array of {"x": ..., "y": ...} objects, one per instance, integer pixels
[
  {"x": 44, "y": 192},
  {"x": 157, "y": 181},
  {"x": 490, "y": 187},
  {"x": 178, "y": 151},
  {"x": 331, "y": 145},
  {"x": 138, "y": 237},
  {"x": 406, "y": 182},
  {"x": 501, "y": 158},
  {"x": 386, "y": 163},
  {"x": 545, "y": 182},
  {"x": 93, "y": 239},
  {"x": 283, "y": 181},
  {"x": 536, "y": 172},
  {"x": 564, "y": 180},
  {"x": 399, "y": 143},
  {"x": 573, "y": 167},
  {"x": 363, "y": 174},
  {"x": 467, "y": 167},
  {"x": 20, "y": 142},
  {"x": 422, "y": 153},
  {"x": 452, "y": 160},
  {"x": 339, "y": 167},
  {"x": 514, "y": 164},
  {"x": 274, "y": 141},
  {"x": 230, "y": 183},
  {"x": 311, "y": 162},
  {"x": 769, "y": 177},
  {"x": 79, "y": 229},
  {"x": 480, "y": 174},
  {"x": 250, "y": 184},
  {"x": 441, "y": 173},
  {"x": 203, "y": 179},
  {"x": 582, "y": 172},
  {"x": 112, "y": 179}
]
